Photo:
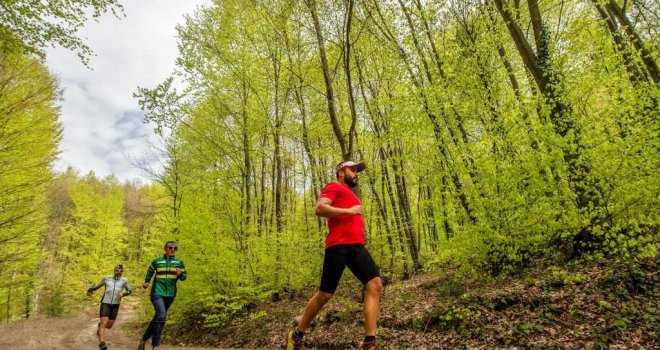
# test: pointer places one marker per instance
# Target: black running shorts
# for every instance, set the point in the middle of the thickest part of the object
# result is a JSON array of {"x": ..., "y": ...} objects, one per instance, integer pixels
[
  {"x": 109, "y": 310},
  {"x": 354, "y": 256}
]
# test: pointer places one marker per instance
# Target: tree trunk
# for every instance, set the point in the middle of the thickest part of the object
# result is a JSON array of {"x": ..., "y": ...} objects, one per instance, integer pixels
[
  {"x": 404, "y": 204},
  {"x": 262, "y": 190},
  {"x": 429, "y": 212},
  {"x": 247, "y": 161},
  {"x": 382, "y": 210},
  {"x": 646, "y": 55},
  {"x": 349, "y": 80},
  {"x": 329, "y": 91},
  {"x": 278, "y": 169},
  {"x": 398, "y": 218},
  {"x": 634, "y": 74},
  {"x": 10, "y": 290},
  {"x": 384, "y": 188}
]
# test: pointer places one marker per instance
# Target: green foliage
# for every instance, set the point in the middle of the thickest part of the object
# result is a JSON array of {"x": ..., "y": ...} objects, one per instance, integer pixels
[
  {"x": 628, "y": 288},
  {"x": 29, "y": 135},
  {"x": 559, "y": 277},
  {"x": 220, "y": 311},
  {"x": 652, "y": 317},
  {"x": 616, "y": 321},
  {"x": 459, "y": 319},
  {"x": 96, "y": 224},
  {"x": 36, "y": 25},
  {"x": 55, "y": 302},
  {"x": 529, "y": 328},
  {"x": 630, "y": 280},
  {"x": 452, "y": 288},
  {"x": 94, "y": 237}
]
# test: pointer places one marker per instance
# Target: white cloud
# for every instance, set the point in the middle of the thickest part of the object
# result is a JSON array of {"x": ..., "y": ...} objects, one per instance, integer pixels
[{"x": 102, "y": 121}]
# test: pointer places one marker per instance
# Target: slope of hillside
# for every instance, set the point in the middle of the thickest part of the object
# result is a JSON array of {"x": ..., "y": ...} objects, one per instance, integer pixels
[{"x": 599, "y": 306}]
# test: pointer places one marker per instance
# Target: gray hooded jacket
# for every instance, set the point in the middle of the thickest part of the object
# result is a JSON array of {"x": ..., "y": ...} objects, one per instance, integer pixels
[{"x": 113, "y": 286}]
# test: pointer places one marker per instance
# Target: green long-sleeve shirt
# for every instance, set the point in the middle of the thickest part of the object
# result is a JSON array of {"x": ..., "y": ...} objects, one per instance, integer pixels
[{"x": 165, "y": 279}]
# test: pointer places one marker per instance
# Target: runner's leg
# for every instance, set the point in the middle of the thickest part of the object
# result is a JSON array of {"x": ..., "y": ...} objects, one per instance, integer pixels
[
  {"x": 149, "y": 332},
  {"x": 334, "y": 262},
  {"x": 161, "y": 304},
  {"x": 104, "y": 313},
  {"x": 102, "y": 326},
  {"x": 313, "y": 307},
  {"x": 364, "y": 268},
  {"x": 371, "y": 305}
]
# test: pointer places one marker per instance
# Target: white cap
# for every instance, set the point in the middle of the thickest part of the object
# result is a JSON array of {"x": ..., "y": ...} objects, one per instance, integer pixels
[{"x": 349, "y": 163}]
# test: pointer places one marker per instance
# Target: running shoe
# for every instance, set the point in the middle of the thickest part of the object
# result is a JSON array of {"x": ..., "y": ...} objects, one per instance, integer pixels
[
  {"x": 293, "y": 342},
  {"x": 372, "y": 345},
  {"x": 102, "y": 346}
]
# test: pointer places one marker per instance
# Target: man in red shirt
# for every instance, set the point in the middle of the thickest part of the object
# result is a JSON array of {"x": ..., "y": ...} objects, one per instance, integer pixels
[{"x": 344, "y": 247}]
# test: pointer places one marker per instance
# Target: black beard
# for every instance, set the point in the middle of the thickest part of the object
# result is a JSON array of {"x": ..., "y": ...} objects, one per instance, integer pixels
[{"x": 350, "y": 182}]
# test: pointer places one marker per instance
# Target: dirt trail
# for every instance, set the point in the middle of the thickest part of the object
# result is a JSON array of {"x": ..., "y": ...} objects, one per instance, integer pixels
[{"x": 71, "y": 333}]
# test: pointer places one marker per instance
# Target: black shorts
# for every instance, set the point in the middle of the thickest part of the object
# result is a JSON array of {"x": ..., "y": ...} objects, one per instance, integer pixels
[
  {"x": 354, "y": 256},
  {"x": 109, "y": 310}
]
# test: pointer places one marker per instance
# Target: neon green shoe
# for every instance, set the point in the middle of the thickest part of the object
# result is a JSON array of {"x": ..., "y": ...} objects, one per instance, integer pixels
[{"x": 293, "y": 342}]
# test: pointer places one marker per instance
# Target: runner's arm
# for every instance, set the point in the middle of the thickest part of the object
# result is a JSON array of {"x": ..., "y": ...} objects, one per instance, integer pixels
[
  {"x": 128, "y": 288},
  {"x": 93, "y": 288},
  {"x": 324, "y": 208},
  {"x": 150, "y": 273},
  {"x": 184, "y": 273}
]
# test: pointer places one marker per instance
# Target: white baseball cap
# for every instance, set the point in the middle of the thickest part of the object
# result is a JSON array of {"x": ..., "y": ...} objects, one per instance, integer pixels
[{"x": 349, "y": 163}]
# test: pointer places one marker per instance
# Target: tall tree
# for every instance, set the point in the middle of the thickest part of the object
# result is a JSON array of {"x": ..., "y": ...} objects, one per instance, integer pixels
[{"x": 29, "y": 135}]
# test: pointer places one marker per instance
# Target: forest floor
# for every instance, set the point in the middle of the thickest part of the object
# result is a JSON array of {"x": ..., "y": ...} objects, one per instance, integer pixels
[{"x": 594, "y": 307}]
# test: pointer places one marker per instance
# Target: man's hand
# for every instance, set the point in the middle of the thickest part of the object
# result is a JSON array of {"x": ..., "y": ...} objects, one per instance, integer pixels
[
  {"x": 89, "y": 293},
  {"x": 145, "y": 285},
  {"x": 178, "y": 272},
  {"x": 355, "y": 210},
  {"x": 121, "y": 295}
]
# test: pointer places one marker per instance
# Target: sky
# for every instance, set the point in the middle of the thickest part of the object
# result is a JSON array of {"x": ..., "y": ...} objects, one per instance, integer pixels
[{"x": 103, "y": 123}]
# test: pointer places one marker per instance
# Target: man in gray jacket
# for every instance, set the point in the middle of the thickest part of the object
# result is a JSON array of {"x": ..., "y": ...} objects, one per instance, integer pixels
[{"x": 114, "y": 287}]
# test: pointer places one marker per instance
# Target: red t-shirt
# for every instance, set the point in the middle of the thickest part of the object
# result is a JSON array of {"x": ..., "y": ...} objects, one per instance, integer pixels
[{"x": 343, "y": 229}]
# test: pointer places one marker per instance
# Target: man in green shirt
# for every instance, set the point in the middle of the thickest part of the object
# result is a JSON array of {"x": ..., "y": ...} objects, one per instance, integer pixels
[{"x": 167, "y": 270}]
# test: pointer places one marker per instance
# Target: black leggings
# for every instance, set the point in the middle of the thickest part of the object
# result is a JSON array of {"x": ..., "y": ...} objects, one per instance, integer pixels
[{"x": 354, "y": 256}]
